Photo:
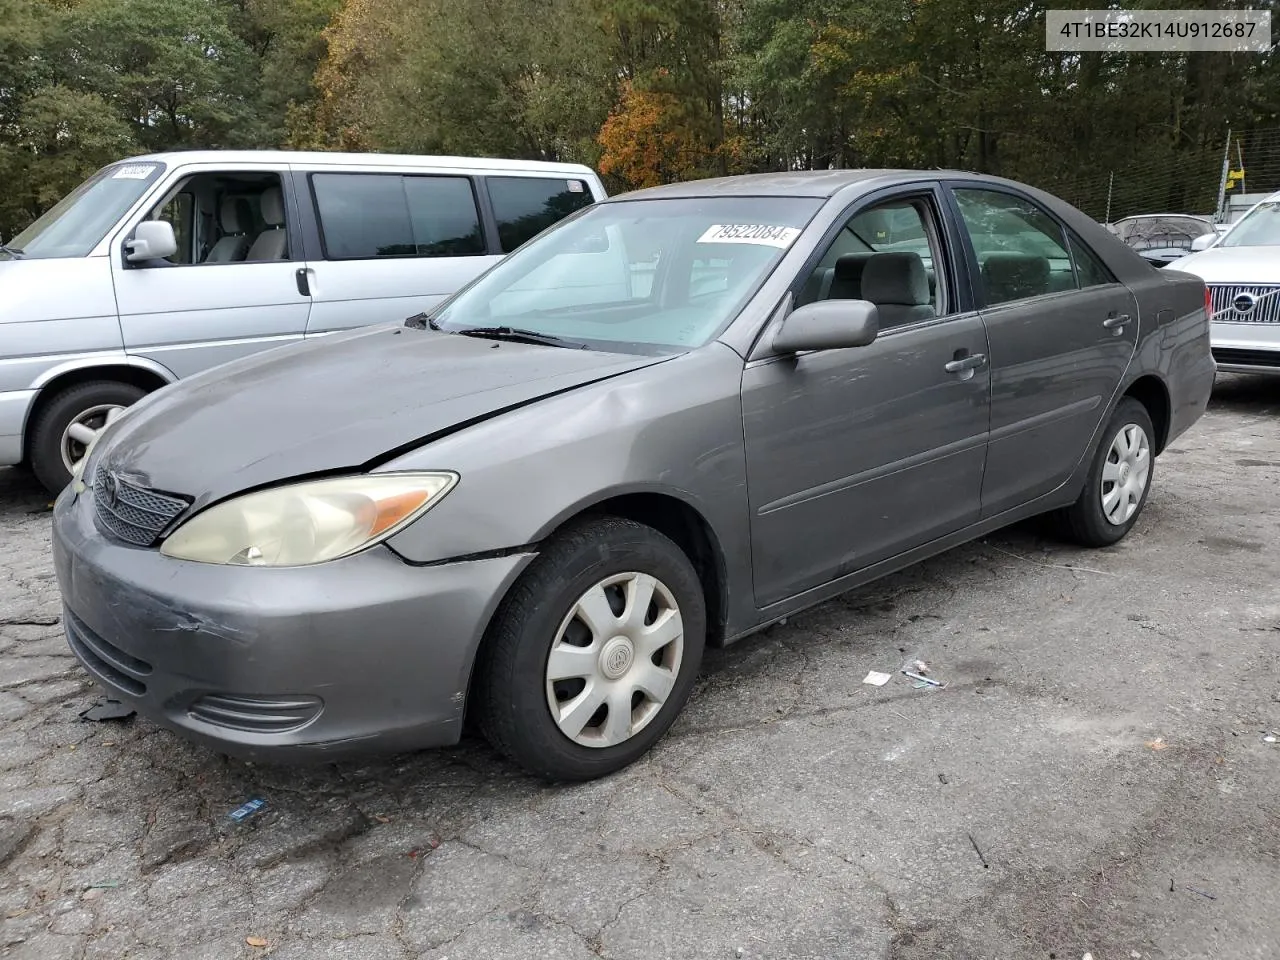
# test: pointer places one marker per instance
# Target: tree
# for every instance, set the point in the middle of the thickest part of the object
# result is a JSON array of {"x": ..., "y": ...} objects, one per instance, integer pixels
[{"x": 173, "y": 69}]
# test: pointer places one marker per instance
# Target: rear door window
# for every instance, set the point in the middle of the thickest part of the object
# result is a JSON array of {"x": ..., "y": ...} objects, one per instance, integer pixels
[
  {"x": 525, "y": 206},
  {"x": 367, "y": 216},
  {"x": 1021, "y": 250}
]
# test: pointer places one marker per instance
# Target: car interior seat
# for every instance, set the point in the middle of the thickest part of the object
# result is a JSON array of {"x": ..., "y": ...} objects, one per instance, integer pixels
[
  {"x": 273, "y": 242},
  {"x": 899, "y": 286},
  {"x": 1007, "y": 275},
  {"x": 234, "y": 219}
]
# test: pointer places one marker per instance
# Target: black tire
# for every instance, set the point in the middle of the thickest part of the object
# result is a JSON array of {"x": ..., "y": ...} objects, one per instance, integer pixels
[
  {"x": 1084, "y": 522},
  {"x": 44, "y": 445},
  {"x": 511, "y": 691}
]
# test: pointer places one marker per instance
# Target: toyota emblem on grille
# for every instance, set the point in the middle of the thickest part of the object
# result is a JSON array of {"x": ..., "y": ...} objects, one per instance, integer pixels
[
  {"x": 109, "y": 489},
  {"x": 1244, "y": 302}
]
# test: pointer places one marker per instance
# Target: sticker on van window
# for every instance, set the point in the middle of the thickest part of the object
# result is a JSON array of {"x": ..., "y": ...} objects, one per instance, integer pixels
[
  {"x": 767, "y": 234},
  {"x": 133, "y": 171},
  {"x": 575, "y": 186}
]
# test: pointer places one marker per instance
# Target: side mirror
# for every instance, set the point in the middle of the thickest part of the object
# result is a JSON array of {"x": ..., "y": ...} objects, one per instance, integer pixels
[
  {"x": 1204, "y": 241},
  {"x": 152, "y": 240},
  {"x": 828, "y": 325}
]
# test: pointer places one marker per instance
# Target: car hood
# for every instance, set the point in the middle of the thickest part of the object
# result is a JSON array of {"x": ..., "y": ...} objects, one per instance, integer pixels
[
  {"x": 1233, "y": 264},
  {"x": 337, "y": 403}
]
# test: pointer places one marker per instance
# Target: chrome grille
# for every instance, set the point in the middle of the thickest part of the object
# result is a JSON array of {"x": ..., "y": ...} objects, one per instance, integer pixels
[
  {"x": 130, "y": 512},
  {"x": 1228, "y": 298}
]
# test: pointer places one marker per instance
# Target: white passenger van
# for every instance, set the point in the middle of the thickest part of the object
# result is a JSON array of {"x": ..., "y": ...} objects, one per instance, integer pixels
[{"x": 157, "y": 267}]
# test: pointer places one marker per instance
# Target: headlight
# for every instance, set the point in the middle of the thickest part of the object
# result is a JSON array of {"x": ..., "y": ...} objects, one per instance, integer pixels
[{"x": 307, "y": 523}]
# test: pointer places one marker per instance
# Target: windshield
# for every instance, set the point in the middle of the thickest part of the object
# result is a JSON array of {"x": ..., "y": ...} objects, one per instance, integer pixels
[
  {"x": 1260, "y": 228},
  {"x": 640, "y": 275},
  {"x": 75, "y": 224}
]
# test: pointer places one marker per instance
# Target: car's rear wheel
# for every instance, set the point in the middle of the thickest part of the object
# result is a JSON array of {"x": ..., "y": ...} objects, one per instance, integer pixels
[
  {"x": 1119, "y": 479},
  {"x": 67, "y": 424},
  {"x": 594, "y": 652}
]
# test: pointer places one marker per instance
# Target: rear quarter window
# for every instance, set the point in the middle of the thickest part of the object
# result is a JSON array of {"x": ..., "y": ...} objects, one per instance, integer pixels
[{"x": 525, "y": 206}]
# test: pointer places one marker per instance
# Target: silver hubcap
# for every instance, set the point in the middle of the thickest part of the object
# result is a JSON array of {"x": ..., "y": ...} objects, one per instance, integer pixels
[
  {"x": 81, "y": 431},
  {"x": 1125, "y": 473},
  {"x": 615, "y": 660}
]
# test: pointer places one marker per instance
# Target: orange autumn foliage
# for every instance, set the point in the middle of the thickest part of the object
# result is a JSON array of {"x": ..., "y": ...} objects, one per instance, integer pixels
[{"x": 645, "y": 143}]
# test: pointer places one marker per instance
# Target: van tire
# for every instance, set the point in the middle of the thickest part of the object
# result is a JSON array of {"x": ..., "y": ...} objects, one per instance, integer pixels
[{"x": 44, "y": 444}]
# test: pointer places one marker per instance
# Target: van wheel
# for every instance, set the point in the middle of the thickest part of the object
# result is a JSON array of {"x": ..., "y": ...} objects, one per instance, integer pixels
[
  {"x": 594, "y": 651},
  {"x": 67, "y": 424},
  {"x": 1119, "y": 480}
]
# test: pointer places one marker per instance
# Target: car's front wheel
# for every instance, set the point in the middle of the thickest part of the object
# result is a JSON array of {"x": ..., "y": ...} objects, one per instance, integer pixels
[
  {"x": 1118, "y": 482},
  {"x": 594, "y": 652}
]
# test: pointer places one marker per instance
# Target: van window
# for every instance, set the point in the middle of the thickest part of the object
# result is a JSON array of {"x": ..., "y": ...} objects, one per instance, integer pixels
[
  {"x": 363, "y": 216},
  {"x": 77, "y": 222},
  {"x": 525, "y": 206},
  {"x": 226, "y": 217}
]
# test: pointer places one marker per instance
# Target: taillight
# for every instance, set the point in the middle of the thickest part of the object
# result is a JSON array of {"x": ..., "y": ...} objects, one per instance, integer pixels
[{"x": 1208, "y": 304}]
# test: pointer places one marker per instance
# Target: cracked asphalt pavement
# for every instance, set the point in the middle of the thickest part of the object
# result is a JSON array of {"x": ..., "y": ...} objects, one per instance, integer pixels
[{"x": 1094, "y": 777}]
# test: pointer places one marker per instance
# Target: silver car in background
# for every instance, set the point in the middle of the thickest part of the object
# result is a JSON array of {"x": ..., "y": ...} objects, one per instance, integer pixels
[
  {"x": 160, "y": 266},
  {"x": 1242, "y": 270},
  {"x": 673, "y": 419}
]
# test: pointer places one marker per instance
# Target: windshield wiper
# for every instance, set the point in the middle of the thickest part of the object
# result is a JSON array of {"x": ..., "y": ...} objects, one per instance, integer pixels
[
  {"x": 11, "y": 251},
  {"x": 516, "y": 335}
]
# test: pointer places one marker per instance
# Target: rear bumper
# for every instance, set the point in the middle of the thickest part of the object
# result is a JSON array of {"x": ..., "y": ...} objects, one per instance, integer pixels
[
  {"x": 14, "y": 407},
  {"x": 362, "y": 655},
  {"x": 1191, "y": 373}
]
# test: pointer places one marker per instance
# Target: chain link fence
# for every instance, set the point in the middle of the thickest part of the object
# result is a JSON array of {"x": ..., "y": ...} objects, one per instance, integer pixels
[{"x": 1187, "y": 183}]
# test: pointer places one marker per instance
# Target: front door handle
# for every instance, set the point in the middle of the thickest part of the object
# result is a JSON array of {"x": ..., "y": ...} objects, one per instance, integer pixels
[
  {"x": 1114, "y": 322},
  {"x": 972, "y": 362},
  {"x": 304, "y": 287}
]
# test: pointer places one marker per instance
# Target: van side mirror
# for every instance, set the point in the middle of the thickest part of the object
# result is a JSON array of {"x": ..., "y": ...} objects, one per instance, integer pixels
[
  {"x": 828, "y": 325},
  {"x": 152, "y": 240},
  {"x": 1204, "y": 241}
]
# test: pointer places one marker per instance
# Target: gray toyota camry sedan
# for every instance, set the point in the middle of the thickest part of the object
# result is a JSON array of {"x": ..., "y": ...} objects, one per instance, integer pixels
[{"x": 676, "y": 417}]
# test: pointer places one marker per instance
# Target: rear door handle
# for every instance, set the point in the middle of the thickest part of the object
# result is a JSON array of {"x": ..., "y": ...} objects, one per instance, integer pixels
[
  {"x": 304, "y": 287},
  {"x": 1113, "y": 322},
  {"x": 971, "y": 362}
]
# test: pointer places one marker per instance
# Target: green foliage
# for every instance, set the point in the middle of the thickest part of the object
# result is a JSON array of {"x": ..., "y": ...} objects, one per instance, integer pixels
[{"x": 647, "y": 90}]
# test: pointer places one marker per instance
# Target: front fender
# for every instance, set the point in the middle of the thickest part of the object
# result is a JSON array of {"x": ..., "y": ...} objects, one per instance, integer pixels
[{"x": 673, "y": 429}]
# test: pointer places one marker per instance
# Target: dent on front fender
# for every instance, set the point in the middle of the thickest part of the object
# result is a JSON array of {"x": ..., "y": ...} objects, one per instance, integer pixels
[{"x": 673, "y": 428}]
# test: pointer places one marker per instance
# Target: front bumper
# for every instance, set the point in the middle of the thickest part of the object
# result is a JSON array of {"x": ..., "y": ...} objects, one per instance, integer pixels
[
  {"x": 361, "y": 655},
  {"x": 1246, "y": 347}
]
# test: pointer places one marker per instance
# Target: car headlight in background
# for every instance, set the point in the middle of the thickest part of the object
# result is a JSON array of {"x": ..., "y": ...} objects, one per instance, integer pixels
[{"x": 307, "y": 523}]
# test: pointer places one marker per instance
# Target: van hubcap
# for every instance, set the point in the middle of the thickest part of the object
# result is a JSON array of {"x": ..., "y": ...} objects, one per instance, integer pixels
[
  {"x": 81, "y": 431},
  {"x": 1125, "y": 474},
  {"x": 615, "y": 660}
]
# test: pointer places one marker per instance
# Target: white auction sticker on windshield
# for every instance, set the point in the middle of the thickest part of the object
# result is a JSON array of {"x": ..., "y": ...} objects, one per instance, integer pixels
[
  {"x": 133, "y": 171},
  {"x": 768, "y": 234}
]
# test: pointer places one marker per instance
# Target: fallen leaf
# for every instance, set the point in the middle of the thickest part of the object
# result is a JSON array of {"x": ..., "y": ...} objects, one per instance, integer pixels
[
  {"x": 256, "y": 941},
  {"x": 1157, "y": 744},
  {"x": 381, "y": 819}
]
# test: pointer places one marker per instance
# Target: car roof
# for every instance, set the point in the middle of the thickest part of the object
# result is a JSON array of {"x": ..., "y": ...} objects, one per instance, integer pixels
[
  {"x": 325, "y": 158},
  {"x": 798, "y": 183}
]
